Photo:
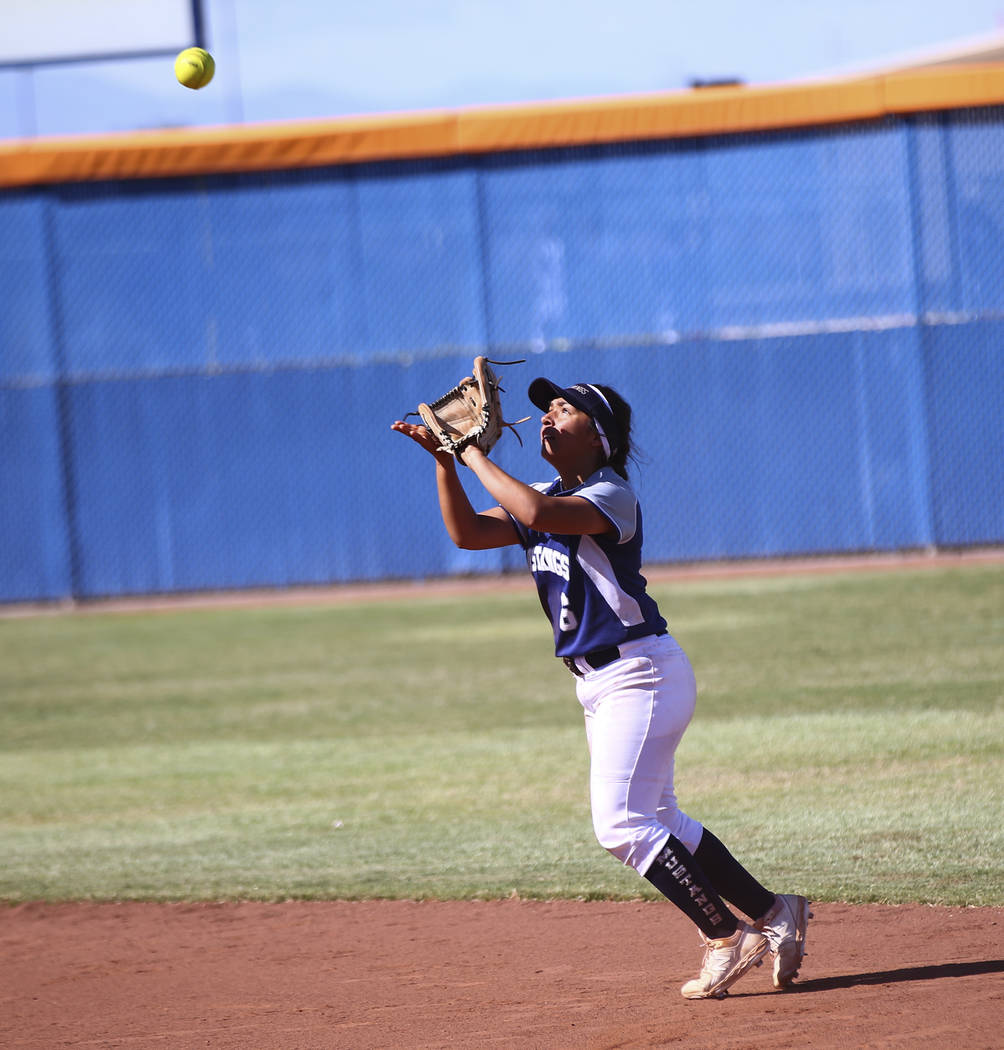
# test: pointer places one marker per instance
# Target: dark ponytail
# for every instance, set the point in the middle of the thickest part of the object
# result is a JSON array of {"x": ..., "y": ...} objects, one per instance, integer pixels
[{"x": 622, "y": 416}]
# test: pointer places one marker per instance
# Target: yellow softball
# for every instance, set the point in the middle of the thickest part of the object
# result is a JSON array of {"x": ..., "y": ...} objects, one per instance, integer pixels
[{"x": 194, "y": 67}]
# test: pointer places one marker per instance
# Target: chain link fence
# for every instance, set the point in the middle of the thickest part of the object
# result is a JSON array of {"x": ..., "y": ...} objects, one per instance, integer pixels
[{"x": 197, "y": 376}]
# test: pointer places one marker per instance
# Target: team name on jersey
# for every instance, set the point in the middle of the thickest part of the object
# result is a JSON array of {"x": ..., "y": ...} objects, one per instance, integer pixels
[{"x": 547, "y": 559}]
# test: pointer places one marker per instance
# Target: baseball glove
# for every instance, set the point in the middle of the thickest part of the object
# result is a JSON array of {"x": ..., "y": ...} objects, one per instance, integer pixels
[{"x": 470, "y": 413}]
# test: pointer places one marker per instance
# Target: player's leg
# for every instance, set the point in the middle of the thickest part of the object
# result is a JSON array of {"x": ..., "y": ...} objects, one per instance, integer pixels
[
  {"x": 731, "y": 946},
  {"x": 782, "y": 917},
  {"x": 730, "y": 878},
  {"x": 635, "y": 721}
]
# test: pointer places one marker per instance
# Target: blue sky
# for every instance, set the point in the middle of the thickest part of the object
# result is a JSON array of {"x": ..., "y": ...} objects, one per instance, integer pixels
[{"x": 299, "y": 59}]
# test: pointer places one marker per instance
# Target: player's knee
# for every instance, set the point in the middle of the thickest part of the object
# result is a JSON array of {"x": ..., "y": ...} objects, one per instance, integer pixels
[
  {"x": 683, "y": 827},
  {"x": 616, "y": 846},
  {"x": 634, "y": 840},
  {"x": 621, "y": 839}
]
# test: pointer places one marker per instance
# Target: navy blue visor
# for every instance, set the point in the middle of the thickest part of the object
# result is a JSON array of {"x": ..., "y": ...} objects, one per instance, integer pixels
[{"x": 586, "y": 398}]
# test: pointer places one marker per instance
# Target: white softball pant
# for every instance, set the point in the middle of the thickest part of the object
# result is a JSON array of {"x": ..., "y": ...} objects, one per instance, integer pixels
[{"x": 637, "y": 709}]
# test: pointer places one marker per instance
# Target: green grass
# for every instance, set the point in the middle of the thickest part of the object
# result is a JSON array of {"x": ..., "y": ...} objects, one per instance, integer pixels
[{"x": 848, "y": 744}]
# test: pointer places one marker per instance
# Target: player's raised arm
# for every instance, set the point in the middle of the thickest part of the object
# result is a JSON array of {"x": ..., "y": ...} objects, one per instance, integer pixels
[
  {"x": 567, "y": 515},
  {"x": 469, "y": 529}
]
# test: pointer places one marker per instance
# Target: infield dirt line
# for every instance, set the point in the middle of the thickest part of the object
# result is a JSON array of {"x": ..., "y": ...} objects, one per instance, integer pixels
[{"x": 397, "y": 590}]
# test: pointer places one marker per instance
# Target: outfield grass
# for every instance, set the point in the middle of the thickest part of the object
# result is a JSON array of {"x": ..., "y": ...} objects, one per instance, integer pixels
[{"x": 848, "y": 744}]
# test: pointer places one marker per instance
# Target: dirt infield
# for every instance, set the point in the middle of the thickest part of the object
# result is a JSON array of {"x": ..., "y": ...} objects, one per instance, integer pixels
[{"x": 505, "y": 975}]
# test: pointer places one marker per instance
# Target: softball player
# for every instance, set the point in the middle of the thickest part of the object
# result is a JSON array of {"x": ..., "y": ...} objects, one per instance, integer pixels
[{"x": 582, "y": 533}]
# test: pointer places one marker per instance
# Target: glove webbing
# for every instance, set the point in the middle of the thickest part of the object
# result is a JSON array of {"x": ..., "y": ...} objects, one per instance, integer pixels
[{"x": 456, "y": 392}]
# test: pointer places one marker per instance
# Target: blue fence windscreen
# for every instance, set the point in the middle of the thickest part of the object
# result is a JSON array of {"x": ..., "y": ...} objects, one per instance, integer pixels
[{"x": 197, "y": 375}]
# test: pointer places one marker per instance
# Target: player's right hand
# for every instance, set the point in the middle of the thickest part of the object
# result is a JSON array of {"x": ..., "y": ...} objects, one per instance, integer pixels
[{"x": 422, "y": 435}]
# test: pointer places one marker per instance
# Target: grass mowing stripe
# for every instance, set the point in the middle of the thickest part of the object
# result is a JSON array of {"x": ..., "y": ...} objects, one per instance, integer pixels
[
  {"x": 847, "y": 742},
  {"x": 465, "y": 814}
]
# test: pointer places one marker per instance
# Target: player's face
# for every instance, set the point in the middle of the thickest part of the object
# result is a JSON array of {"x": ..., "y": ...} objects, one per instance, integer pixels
[{"x": 567, "y": 433}]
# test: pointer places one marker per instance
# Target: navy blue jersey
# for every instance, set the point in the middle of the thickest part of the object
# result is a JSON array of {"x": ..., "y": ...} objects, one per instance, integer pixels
[{"x": 591, "y": 587}]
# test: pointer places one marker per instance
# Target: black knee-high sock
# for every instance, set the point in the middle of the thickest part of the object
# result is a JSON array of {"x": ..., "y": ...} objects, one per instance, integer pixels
[
  {"x": 677, "y": 875},
  {"x": 731, "y": 879}
]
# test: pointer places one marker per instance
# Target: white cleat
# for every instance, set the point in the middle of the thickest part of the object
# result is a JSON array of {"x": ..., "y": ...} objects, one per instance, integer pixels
[
  {"x": 784, "y": 927},
  {"x": 725, "y": 961}
]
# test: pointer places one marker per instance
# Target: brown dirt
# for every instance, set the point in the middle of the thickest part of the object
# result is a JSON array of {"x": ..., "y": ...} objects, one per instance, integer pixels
[{"x": 506, "y": 975}]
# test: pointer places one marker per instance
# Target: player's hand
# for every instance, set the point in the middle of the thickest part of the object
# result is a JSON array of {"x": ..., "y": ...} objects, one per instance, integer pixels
[
  {"x": 422, "y": 435},
  {"x": 470, "y": 455}
]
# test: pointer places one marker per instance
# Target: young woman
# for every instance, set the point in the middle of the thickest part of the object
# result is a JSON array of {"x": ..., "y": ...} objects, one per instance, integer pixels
[{"x": 582, "y": 533}]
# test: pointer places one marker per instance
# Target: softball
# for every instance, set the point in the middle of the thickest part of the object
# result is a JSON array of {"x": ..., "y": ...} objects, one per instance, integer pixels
[{"x": 194, "y": 68}]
